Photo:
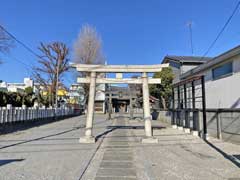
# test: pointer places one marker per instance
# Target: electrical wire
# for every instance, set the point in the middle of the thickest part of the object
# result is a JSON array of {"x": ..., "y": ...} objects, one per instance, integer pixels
[
  {"x": 222, "y": 30},
  {"x": 18, "y": 41}
]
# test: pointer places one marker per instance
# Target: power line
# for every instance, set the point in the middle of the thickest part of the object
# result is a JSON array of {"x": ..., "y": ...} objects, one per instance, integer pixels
[
  {"x": 18, "y": 41},
  {"x": 28, "y": 67},
  {"x": 25, "y": 46},
  {"x": 223, "y": 28}
]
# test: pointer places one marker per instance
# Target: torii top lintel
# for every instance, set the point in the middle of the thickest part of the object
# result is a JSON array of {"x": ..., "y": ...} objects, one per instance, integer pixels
[{"x": 119, "y": 68}]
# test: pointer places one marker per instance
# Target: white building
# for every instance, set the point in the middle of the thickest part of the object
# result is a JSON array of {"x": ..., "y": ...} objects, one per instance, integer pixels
[
  {"x": 76, "y": 94},
  {"x": 77, "y": 91},
  {"x": 100, "y": 98},
  {"x": 18, "y": 87},
  {"x": 222, "y": 79}
]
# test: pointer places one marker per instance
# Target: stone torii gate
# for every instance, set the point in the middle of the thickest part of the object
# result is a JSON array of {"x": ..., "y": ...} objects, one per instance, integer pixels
[{"x": 119, "y": 70}]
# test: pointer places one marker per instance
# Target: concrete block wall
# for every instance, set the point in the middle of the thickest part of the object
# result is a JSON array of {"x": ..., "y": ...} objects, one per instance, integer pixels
[{"x": 165, "y": 116}]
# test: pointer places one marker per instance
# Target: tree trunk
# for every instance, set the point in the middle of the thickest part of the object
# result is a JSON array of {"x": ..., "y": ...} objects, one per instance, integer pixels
[{"x": 163, "y": 103}]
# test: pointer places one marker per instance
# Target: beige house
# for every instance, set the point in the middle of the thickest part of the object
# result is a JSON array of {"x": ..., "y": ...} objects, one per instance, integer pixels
[
  {"x": 182, "y": 64},
  {"x": 222, "y": 79}
]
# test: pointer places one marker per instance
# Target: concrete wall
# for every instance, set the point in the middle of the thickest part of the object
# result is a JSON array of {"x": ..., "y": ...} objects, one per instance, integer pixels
[
  {"x": 224, "y": 92},
  {"x": 164, "y": 116},
  {"x": 229, "y": 127},
  {"x": 180, "y": 69},
  {"x": 185, "y": 68},
  {"x": 176, "y": 73}
]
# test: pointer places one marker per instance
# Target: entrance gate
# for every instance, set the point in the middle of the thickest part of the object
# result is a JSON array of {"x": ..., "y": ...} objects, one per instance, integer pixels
[
  {"x": 126, "y": 94},
  {"x": 94, "y": 70}
]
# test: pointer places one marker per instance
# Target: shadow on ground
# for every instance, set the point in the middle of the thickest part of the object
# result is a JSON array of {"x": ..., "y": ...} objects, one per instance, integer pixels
[
  {"x": 23, "y": 125},
  {"x": 43, "y": 137},
  {"x": 134, "y": 127},
  {"x": 7, "y": 161},
  {"x": 235, "y": 159}
]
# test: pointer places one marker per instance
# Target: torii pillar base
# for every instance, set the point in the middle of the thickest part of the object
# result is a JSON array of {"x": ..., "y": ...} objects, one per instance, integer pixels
[
  {"x": 87, "y": 140},
  {"x": 149, "y": 140}
]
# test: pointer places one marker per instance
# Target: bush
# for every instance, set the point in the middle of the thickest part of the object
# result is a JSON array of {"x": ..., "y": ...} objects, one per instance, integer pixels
[{"x": 16, "y": 99}]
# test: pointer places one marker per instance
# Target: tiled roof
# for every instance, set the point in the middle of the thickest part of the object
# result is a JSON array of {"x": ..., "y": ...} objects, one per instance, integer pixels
[{"x": 186, "y": 58}]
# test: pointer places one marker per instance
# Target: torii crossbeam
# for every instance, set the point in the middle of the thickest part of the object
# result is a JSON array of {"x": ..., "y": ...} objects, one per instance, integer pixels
[{"x": 118, "y": 69}]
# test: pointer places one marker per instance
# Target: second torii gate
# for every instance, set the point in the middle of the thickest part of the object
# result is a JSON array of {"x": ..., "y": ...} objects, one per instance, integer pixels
[{"x": 118, "y": 69}]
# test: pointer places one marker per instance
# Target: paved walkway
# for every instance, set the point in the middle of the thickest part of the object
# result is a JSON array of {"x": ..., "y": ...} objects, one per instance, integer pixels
[
  {"x": 52, "y": 152},
  {"x": 118, "y": 159}
]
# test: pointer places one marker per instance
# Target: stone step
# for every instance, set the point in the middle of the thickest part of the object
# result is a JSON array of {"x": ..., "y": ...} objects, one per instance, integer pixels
[
  {"x": 117, "y": 165},
  {"x": 118, "y": 153},
  {"x": 131, "y": 173},
  {"x": 115, "y": 178},
  {"x": 117, "y": 162},
  {"x": 117, "y": 158}
]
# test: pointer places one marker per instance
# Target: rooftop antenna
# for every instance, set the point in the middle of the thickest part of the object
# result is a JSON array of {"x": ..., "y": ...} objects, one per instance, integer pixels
[{"x": 189, "y": 24}]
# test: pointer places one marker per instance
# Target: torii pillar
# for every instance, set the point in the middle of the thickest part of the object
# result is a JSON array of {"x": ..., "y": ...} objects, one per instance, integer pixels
[
  {"x": 88, "y": 138},
  {"x": 146, "y": 110}
]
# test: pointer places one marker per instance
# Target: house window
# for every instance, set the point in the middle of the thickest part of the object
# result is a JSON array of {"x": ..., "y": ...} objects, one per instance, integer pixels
[
  {"x": 174, "y": 64},
  {"x": 222, "y": 71}
]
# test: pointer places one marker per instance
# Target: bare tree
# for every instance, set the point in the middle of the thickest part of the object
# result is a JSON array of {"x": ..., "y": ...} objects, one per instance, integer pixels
[
  {"x": 6, "y": 42},
  {"x": 52, "y": 64},
  {"x": 88, "y": 47},
  {"x": 88, "y": 50}
]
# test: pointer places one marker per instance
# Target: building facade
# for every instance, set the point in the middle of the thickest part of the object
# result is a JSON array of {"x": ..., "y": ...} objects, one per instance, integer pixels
[
  {"x": 18, "y": 87},
  {"x": 182, "y": 64},
  {"x": 222, "y": 79}
]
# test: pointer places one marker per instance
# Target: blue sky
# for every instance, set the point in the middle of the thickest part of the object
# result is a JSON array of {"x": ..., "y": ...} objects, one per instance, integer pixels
[{"x": 133, "y": 31}]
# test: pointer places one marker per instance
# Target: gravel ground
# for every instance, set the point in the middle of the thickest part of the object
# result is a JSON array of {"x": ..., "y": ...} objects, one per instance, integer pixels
[
  {"x": 48, "y": 152},
  {"x": 182, "y": 156},
  {"x": 52, "y": 152}
]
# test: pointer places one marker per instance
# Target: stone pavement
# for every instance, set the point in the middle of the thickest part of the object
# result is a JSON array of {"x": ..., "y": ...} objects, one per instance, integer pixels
[
  {"x": 52, "y": 152},
  {"x": 118, "y": 160}
]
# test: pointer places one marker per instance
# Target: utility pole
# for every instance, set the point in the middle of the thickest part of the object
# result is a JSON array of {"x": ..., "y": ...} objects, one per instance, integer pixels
[
  {"x": 56, "y": 95},
  {"x": 189, "y": 24}
]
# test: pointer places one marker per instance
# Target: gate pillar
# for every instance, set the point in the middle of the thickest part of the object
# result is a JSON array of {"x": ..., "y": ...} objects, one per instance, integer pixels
[
  {"x": 89, "y": 138},
  {"x": 146, "y": 109}
]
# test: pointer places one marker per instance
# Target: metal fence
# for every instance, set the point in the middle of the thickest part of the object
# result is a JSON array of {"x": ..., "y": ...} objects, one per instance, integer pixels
[
  {"x": 11, "y": 114},
  {"x": 221, "y": 123}
]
